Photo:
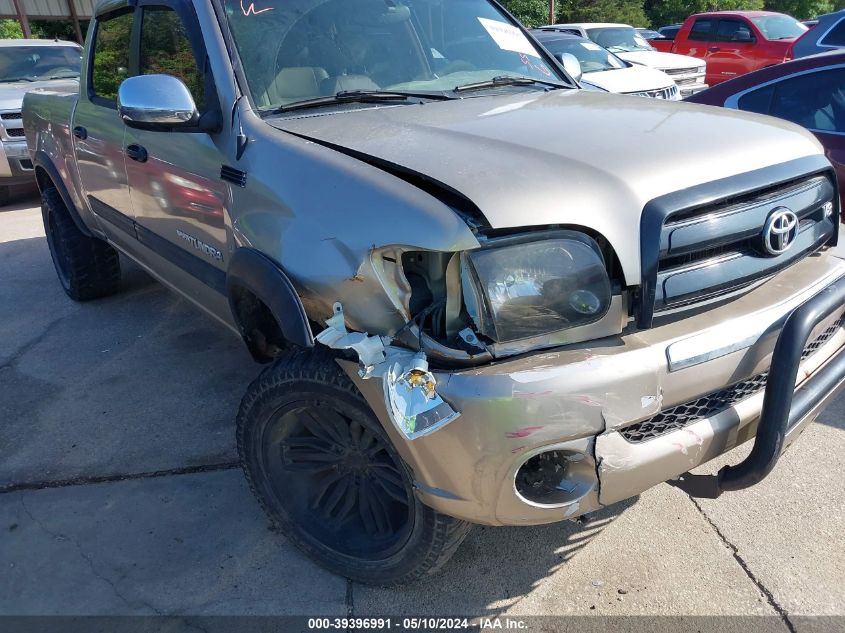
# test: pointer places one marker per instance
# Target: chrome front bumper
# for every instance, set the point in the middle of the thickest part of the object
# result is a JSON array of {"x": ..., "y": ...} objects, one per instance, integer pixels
[{"x": 12, "y": 153}]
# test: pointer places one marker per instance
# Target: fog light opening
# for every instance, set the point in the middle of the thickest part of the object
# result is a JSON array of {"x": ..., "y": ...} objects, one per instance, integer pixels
[{"x": 553, "y": 478}]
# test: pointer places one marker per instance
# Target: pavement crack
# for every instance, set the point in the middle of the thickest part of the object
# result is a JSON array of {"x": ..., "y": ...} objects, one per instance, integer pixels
[
  {"x": 100, "y": 479},
  {"x": 85, "y": 556},
  {"x": 350, "y": 603},
  {"x": 16, "y": 356},
  {"x": 770, "y": 598}
]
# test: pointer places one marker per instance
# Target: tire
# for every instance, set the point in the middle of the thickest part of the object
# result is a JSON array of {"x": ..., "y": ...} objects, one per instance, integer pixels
[
  {"x": 87, "y": 267},
  {"x": 326, "y": 474},
  {"x": 5, "y": 195}
]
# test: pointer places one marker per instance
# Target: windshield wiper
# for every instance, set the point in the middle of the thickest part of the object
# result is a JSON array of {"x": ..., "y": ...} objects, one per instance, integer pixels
[
  {"x": 507, "y": 80},
  {"x": 13, "y": 79},
  {"x": 360, "y": 96},
  {"x": 51, "y": 77}
]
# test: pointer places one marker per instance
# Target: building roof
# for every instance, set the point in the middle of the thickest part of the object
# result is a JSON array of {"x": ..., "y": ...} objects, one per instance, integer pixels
[{"x": 46, "y": 9}]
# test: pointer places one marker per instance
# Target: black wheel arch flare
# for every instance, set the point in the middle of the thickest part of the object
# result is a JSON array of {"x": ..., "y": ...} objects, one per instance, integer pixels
[{"x": 252, "y": 271}]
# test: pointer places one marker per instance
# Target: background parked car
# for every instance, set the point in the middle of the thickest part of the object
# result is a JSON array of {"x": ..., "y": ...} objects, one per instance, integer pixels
[
  {"x": 808, "y": 91},
  {"x": 24, "y": 66},
  {"x": 649, "y": 34},
  {"x": 669, "y": 32},
  {"x": 827, "y": 35},
  {"x": 602, "y": 68},
  {"x": 625, "y": 42},
  {"x": 734, "y": 43}
]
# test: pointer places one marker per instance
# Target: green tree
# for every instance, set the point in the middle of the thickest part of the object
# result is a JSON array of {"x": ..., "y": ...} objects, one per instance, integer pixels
[
  {"x": 623, "y": 11},
  {"x": 529, "y": 12},
  {"x": 801, "y": 9},
  {"x": 10, "y": 29}
]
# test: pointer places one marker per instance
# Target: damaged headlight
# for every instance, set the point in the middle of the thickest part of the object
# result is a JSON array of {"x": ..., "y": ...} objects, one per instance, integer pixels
[{"x": 518, "y": 289}]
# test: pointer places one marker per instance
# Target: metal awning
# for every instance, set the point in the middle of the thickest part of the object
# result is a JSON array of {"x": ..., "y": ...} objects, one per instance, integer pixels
[
  {"x": 46, "y": 9},
  {"x": 25, "y": 10}
]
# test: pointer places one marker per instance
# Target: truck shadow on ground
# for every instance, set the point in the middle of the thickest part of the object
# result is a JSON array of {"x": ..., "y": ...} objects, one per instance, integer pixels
[
  {"x": 493, "y": 570},
  {"x": 21, "y": 197},
  {"x": 137, "y": 382}
]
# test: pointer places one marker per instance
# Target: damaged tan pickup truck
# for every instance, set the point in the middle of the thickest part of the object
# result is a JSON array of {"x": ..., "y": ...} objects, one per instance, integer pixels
[{"x": 484, "y": 294}]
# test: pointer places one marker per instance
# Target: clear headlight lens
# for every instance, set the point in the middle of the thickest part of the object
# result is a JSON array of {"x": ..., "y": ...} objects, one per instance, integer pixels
[{"x": 525, "y": 289}]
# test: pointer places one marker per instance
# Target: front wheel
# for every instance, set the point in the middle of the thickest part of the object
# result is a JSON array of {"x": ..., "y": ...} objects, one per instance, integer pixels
[{"x": 324, "y": 470}]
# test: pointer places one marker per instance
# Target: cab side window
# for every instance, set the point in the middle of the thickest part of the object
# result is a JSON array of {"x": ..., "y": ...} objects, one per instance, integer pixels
[
  {"x": 166, "y": 49},
  {"x": 733, "y": 31},
  {"x": 110, "y": 63},
  {"x": 702, "y": 30}
]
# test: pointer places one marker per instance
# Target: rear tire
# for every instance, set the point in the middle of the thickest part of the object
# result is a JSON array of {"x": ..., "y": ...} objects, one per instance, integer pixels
[
  {"x": 87, "y": 267},
  {"x": 325, "y": 472}
]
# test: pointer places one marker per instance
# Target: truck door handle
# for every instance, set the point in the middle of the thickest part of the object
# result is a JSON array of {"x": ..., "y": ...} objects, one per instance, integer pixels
[
  {"x": 80, "y": 132},
  {"x": 714, "y": 49},
  {"x": 136, "y": 152}
]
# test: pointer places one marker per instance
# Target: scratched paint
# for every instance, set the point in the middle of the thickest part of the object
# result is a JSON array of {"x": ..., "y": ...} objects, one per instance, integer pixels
[{"x": 525, "y": 431}]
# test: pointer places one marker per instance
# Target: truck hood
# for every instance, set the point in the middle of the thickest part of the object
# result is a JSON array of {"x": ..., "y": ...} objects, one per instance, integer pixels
[
  {"x": 662, "y": 61},
  {"x": 562, "y": 157},
  {"x": 11, "y": 94},
  {"x": 632, "y": 79}
]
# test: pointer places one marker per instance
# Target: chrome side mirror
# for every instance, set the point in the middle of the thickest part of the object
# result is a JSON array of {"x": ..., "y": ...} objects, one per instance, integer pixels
[
  {"x": 571, "y": 65},
  {"x": 156, "y": 101}
]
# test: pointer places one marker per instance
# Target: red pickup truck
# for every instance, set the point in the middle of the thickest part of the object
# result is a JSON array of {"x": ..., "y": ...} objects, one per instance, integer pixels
[{"x": 735, "y": 42}]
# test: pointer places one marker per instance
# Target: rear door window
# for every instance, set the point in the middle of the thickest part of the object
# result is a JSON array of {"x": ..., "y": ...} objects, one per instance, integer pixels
[
  {"x": 835, "y": 36},
  {"x": 814, "y": 100},
  {"x": 759, "y": 101}
]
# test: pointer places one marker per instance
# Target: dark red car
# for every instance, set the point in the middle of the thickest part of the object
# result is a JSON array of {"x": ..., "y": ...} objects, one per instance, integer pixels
[{"x": 809, "y": 91}]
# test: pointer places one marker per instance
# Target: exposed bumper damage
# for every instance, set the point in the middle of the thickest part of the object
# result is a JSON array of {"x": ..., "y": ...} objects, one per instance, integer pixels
[
  {"x": 410, "y": 394},
  {"x": 512, "y": 427}
]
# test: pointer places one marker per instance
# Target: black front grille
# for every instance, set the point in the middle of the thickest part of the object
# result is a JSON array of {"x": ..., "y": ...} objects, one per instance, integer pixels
[
  {"x": 682, "y": 71},
  {"x": 707, "y": 242},
  {"x": 11, "y": 116},
  {"x": 710, "y": 404},
  {"x": 16, "y": 132}
]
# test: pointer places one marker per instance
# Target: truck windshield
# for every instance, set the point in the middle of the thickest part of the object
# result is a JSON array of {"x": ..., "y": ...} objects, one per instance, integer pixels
[
  {"x": 591, "y": 56},
  {"x": 298, "y": 50},
  {"x": 39, "y": 63},
  {"x": 619, "y": 39},
  {"x": 779, "y": 27}
]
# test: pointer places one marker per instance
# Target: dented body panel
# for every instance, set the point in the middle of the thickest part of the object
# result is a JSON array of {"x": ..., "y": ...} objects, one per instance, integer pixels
[
  {"x": 492, "y": 151},
  {"x": 580, "y": 398}
]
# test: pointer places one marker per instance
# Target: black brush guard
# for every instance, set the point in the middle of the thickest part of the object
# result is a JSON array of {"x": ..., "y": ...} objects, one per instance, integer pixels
[{"x": 783, "y": 405}]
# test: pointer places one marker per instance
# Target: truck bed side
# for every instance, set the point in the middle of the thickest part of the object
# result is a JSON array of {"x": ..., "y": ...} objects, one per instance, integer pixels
[{"x": 47, "y": 120}]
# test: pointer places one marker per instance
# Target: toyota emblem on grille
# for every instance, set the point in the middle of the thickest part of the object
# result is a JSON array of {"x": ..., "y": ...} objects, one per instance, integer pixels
[{"x": 780, "y": 231}]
